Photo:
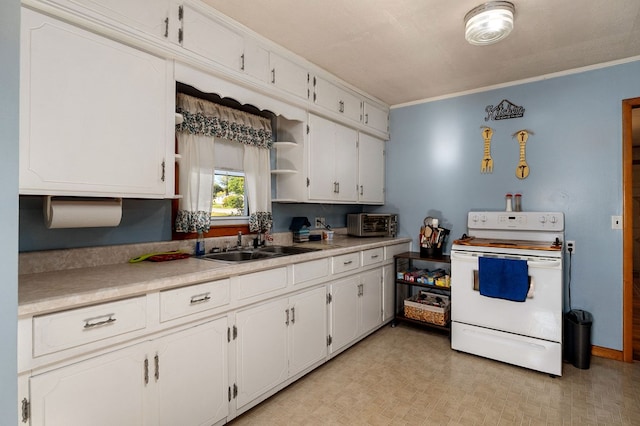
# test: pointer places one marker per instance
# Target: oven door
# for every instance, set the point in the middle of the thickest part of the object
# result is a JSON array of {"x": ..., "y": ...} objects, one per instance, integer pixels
[{"x": 539, "y": 316}]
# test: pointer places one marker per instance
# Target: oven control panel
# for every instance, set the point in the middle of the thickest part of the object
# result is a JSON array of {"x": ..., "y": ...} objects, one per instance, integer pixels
[{"x": 524, "y": 221}]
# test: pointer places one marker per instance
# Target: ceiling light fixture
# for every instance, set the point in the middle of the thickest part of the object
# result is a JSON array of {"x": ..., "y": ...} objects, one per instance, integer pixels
[{"x": 489, "y": 23}]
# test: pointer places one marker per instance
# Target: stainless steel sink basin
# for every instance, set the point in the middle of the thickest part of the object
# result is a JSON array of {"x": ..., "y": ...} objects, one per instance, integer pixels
[
  {"x": 236, "y": 256},
  {"x": 256, "y": 254},
  {"x": 287, "y": 250}
]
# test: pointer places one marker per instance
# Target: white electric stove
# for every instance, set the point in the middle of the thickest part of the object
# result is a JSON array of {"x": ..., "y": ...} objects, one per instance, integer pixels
[{"x": 525, "y": 333}]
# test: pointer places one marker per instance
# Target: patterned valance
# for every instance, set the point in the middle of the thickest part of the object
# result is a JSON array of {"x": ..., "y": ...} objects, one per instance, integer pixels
[{"x": 209, "y": 119}]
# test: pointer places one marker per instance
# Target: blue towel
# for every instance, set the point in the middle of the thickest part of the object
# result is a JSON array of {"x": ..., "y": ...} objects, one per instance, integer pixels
[{"x": 503, "y": 278}]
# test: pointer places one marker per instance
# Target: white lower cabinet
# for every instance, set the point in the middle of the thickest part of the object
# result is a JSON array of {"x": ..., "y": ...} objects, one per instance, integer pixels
[
  {"x": 102, "y": 391},
  {"x": 308, "y": 331},
  {"x": 177, "y": 379},
  {"x": 356, "y": 307},
  {"x": 192, "y": 380},
  {"x": 388, "y": 292},
  {"x": 209, "y": 372},
  {"x": 277, "y": 340}
]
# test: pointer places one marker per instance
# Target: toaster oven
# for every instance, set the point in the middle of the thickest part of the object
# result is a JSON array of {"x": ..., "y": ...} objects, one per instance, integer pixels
[{"x": 372, "y": 225}]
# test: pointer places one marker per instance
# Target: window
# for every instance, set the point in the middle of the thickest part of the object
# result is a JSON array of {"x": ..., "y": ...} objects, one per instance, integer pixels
[{"x": 229, "y": 196}]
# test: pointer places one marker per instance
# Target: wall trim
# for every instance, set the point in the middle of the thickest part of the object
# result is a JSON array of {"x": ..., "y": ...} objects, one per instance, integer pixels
[
  {"x": 601, "y": 352},
  {"x": 519, "y": 82}
]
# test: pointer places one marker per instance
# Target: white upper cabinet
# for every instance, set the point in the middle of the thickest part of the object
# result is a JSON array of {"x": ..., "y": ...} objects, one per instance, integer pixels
[
  {"x": 370, "y": 169},
  {"x": 333, "y": 159},
  {"x": 337, "y": 99},
  {"x": 204, "y": 34},
  {"x": 288, "y": 76},
  {"x": 148, "y": 16},
  {"x": 96, "y": 116},
  {"x": 376, "y": 117},
  {"x": 255, "y": 60}
]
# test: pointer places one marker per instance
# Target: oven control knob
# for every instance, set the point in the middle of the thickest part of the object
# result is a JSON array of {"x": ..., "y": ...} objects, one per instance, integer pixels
[
  {"x": 483, "y": 218},
  {"x": 543, "y": 219},
  {"x": 553, "y": 219},
  {"x": 474, "y": 218}
]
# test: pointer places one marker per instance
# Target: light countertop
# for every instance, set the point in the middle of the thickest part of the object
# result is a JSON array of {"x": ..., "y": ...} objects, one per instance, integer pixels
[{"x": 50, "y": 291}]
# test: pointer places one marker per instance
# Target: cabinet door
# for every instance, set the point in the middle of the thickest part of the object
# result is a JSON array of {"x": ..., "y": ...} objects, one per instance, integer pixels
[
  {"x": 255, "y": 60},
  {"x": 103, "y": 391},
  {"x": 190, "y": 372},
  {"x": 322, "y": 182},
  {"x": 345, "y": 324},
  {"x": 308, "y": 329},
  {"x": 388, "y": 290},
  {"x": 206, "y": 36},
  {"x": 95, "y": 116},
  {"x": 149, "y": 16},
  {"x": 376, "y": 117},
  {"x": 289, "y": 76},
  {"x": 370, "y": 170},
  {"x": 346, "y": 163},
  {"x": 336, "y": 99},
  {"x": 261, "y": 349},
  {"x": 371, "y": 299}
]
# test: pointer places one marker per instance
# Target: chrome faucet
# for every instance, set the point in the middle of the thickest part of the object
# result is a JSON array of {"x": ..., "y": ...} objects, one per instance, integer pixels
[{"x": 239, "y": 239}]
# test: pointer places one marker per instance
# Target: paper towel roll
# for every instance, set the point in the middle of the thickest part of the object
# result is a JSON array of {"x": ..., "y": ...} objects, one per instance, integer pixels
[{"x": 82, "y": 213}]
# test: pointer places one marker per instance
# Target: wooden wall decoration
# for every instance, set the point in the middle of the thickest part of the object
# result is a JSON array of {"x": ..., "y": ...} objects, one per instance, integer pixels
[
  {"x": 487, "y": 161},
  {"x": 522, "y": 170}
]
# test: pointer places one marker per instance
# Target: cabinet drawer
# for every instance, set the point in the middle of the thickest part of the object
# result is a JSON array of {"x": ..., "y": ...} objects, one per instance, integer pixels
[
  {"x": 260, "y": 282},
  {"x": 64, "y": 330},
  {"x": 307, "y": 271},
  {"x": 373, "y": 256},
  {"x": 346, "y": 262},
  {"x": 192, "y": 299}
]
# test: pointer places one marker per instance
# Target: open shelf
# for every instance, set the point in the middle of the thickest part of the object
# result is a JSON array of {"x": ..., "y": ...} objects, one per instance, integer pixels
[{"x": 404, "y": 287}]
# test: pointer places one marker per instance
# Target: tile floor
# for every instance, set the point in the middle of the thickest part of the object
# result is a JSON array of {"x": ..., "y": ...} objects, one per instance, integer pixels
[{"x": 408, "y": 376}]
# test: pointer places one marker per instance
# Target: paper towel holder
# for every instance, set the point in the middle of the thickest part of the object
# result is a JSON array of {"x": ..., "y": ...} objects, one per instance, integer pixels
[{"x": 81, "y": 212}]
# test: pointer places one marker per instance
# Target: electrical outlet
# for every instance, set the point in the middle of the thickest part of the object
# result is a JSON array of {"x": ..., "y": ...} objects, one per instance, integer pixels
[
  {"x": 616, "y": 222},
  {"x": 320, "y": 222},
  {"x": 571, "y": 247}
]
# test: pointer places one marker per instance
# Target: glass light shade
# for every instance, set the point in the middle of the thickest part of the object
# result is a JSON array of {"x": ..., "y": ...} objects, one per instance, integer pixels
[{"x": 489, "y": 23}]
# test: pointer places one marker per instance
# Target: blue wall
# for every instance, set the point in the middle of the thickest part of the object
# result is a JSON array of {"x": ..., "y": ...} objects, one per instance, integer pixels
[
  {"x": 146, "y": 221},
  {"x": 575, "y": 159},
  {"x": 9, "y": 95}
]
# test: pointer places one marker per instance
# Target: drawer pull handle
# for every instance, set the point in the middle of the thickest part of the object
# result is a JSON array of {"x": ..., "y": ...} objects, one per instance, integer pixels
[
  {"x": 349, "y": 262},
  {"x": 200, "y": 298},
  {"x": 375, "y": 256},
  {"x": 109, "y": 320}
]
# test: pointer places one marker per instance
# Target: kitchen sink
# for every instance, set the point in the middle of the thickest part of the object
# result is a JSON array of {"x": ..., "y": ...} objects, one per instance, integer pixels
[
  {"x": 287, "y": 250},
  {"x": 268, "y": 252}
]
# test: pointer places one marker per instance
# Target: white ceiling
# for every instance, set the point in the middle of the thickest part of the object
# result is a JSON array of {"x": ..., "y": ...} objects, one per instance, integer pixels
[{"x": 408, "y": 50}]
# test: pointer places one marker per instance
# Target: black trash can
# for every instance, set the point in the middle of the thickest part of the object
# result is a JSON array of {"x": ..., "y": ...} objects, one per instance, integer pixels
[{"x": 577, "y": 338}]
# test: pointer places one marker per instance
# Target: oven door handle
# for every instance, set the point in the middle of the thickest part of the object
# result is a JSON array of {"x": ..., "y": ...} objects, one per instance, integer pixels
[
  {"x": 534, "y": 263},
  {"x": 550, "y": 264},
  {"x": 461, "y": 256}
]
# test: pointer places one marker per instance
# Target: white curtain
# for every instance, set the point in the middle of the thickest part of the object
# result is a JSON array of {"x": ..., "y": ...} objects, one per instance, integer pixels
[
  {"x": 203, "y": 122},
  {"x": 196, "y": 173},
  {"x": 257, "y": 173}
]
